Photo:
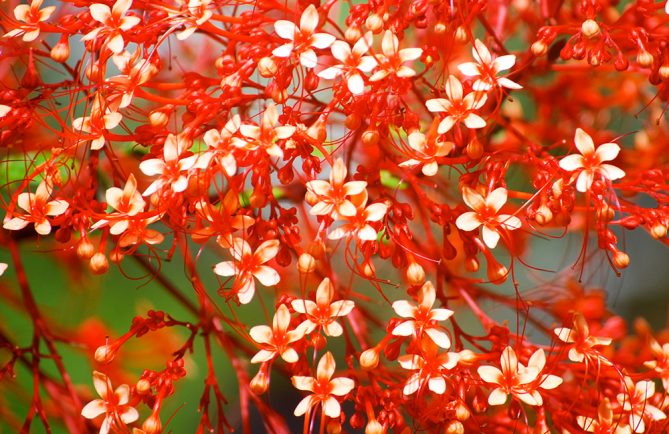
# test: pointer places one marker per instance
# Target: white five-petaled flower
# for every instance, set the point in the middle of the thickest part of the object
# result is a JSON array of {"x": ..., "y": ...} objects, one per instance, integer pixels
[
  {"x": 391, "y": 62},
  {"x": 172, "y": 168},
  {"x": 113, "y": 23},
  {"x": 114, "y": 404},
  {"x": 302, "y": 39},
  {"x": 276, "y": 341},
  {"x": 589, "y": 162},
  {"x": 517, "y": 380},
  {"x": 324, "y": 312},
  {"x": 487, "y": 68},
  {"x": 220, "y": 144},
  {"x": 636, "y": 401},
  {"x": 126, "y": 203},
  {"x": 429, "y": 372},
  {"x": 266, "y": 134},
  {"x": 605, "y": 422},
  {"x": 30, "y": 15},
  {"x": 352, "y": 63},
  {"x": 323, "y": 387},
  {"x": 198, "y": 14},
  {"x": 97, "y": 124},
  {"x": 581, "y": 340},
  {"x": 248, "y": 264},
  {"x": 333, "y": 198},
  {"x": 38, "y": 208},
  {"x": 425, "y": 152},
  {"x": 485, "y": 214},
  {"x": 359, "y": 224},
  {"x": 422, "y": 318},
  {"x": 458, "y": 107}
]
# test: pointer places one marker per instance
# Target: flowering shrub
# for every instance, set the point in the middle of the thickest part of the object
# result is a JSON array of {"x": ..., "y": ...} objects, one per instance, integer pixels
[{"x": 372, "y": 175}]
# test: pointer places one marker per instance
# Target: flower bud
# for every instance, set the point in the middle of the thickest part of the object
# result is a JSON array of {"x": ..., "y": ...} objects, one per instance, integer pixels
[
  {"x": 462, "y": 412},
  {"x": 497, "y": 273},
  {"x": 306, "y": 263},
  {"x": 267, "y": 67},
  {"x": 461, "y": 34},
  {"x": 158, "y": 118},
  {"x": 440, "y": 28},
  {"x": 143, "y": 386},
  {"x": 369, "y": 359},
  {"x": 544, "y": 215},
  {"x": 370, "y": 137},
  {"x": 664, "y": 71},
  {"x": 658, "y": 231},
  {"x": 352, "y": 34},
  {"x": 61, "y": 51},
  {"x": 352, "y": 121},
  {"x": 590, "y": 28},
  {"x": 333, "y": 427},
  {"x": 474, "y": 149},
  {"x": 455, "y": 427},
  {"x": 539, "y": 48},
  {"x": 152, "y": 425},
  {"x": 621, "y": 259},
  {"x": 85, "y": 249},
  {"x": 260, "y": 382},
  {"x": 105, "y": 354},
  {"x": 374, "y": 22},
  {"x": 415, "y": 274},
  {"x": 368, "y": 269},
  {"x": 472, "y": 265},
  {"x": 374, "y": 427},
  {"x": 99, "y": 263},
  {"x": 644, "y": 58}
]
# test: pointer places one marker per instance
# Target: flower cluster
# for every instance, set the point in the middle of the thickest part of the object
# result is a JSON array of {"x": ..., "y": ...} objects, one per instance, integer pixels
[{"x": 339, "y": 173}]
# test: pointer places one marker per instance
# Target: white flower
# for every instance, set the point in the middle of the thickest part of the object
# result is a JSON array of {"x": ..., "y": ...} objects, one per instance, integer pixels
[
  {"x": 458, "y": 107},
  {"x": 487, "y": 68},
  {"x": 302, "y": 39},
  {"x": 485, "y": 214},
  {"x": 589, "y": 163},
  {"x": 352, "y": 63}
]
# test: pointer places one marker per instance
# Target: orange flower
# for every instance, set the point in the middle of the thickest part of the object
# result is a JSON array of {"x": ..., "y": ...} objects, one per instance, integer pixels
[
  {"x": 275, "y": 341},
  {"x": 323, "y": 388},
  {"x": 114, "y": 404},
  {"x": 324, "y": 311}
]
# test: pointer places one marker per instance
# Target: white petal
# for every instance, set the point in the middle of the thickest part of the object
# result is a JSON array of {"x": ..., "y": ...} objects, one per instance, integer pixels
[
  {"x": 474, "y": 121},
  {"x": 283, "y": 50},
  {"x": 322, "y": 40},
  {"x": 611, "y": 172},
  {"x": 341, "y": 50},
  {"x": 405, "y": 328},
  {"x": 268, "y": 276},
  {"x": 572, "y": 162},
  {"x": 355, "y": 84},
  {"x": 490, "y": 236},
  {"x": 584, "y": 142},
  {"x": 404, "y": 309},
  {"x": 308, "y": 59},
  {"x": 437, "y": 385},
  {"x": 468, "y": 221},
  {"x": 285, "y": 29},
  {"x": 438, "y": 337},
  {"x": 503, "y": 63}
]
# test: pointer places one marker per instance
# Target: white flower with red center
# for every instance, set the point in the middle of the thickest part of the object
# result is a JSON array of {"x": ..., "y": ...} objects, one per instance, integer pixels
[
  {"x": 302, "y": 39},
  {"x": 223, "y": 219},
  {"x": 358, "y": 225},
  {"x": 173, "y": 169},
  {"x": 636, "y": 401},
  {"x": 113, "y": 23},
  {"x": 323, "y": 387},
  {"x": 324, "y": 312},
  {"x": 248, "y": 265},
  {"x": 333, "y": 196},
  {"x": 430, "y": 371},
  {"x": 605, "y": 423},
  {"x": 134, "y": 74},
  {"x": 423, "y": 318},
  {"x": 487, "y": 68},
  {"x": 38, "y": 208},
  {"x": 391, "y": 62},
  {"x": 660, "y": 363},
  {"x": 98, "y": 123},
  {"x": 485, "y": 213},
  {"x": 517, "y": 380},
  {"x": 30, "y": 15},
  {"x": 589, "y": 162},
  {"x": 198, "y": 14},
  {"x": 126, "y": 203},
  {"x": 266, "y": 134},
  {"x": 582, "y": 343},
  {"x": 426, "y": 152},
  {"x": 221, "y": 146},
  {"x": 137, "y": 232},
  {"x": 114, "y": 405},
  {"x": 352, "y": 63},
  {"x": 276, "y": 341},
  {"x": 458, "y": 107}
]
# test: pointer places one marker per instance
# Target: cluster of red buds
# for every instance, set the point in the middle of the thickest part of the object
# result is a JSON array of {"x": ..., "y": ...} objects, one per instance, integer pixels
[{"x": 377, "y": 178}]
